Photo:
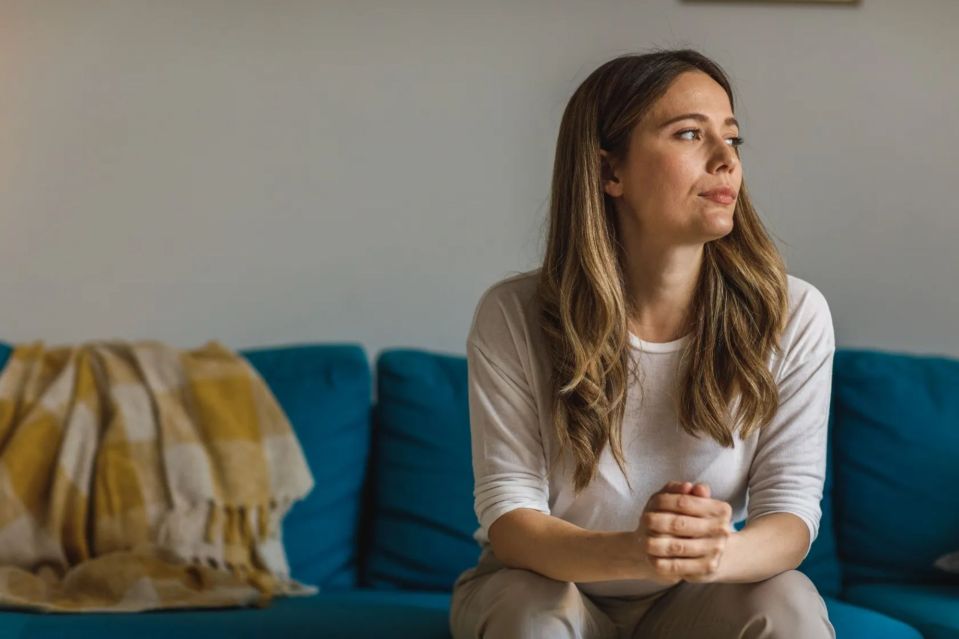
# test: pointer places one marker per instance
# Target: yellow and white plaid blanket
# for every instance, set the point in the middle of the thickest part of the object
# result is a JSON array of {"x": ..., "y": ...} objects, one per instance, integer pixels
[{"x": 135, "y": 476}]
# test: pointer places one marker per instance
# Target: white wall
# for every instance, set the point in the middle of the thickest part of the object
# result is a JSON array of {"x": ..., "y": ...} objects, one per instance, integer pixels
[{"x": 279, "y": 171}]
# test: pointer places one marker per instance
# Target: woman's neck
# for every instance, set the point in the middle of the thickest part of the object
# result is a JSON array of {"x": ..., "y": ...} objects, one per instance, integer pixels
[{"x": 661, "y": 284}]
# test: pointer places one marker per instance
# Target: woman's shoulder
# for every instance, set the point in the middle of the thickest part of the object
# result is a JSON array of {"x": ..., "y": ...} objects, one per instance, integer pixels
[
  {"x": 519, "y": 285},
  {"x": 505, "y": 309},
  {"x": 804, "y": 294},
  {"x": 809, "y": 326}
]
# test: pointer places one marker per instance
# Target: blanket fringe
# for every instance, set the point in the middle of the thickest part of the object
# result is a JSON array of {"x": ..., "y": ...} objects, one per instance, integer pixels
[{"x": 242, "y": 523}]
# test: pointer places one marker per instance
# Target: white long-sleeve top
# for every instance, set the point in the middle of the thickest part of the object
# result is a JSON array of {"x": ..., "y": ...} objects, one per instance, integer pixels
[{"x": 780, "y": 468}]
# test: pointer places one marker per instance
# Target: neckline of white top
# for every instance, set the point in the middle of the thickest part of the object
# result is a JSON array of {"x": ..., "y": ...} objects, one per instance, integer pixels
[{"x": 658, "y": 347}]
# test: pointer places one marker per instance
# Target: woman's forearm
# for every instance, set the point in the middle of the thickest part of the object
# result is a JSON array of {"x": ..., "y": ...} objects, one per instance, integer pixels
[
  {"x": 766, "y": 547},
  {"x": 526, "y": 538}
]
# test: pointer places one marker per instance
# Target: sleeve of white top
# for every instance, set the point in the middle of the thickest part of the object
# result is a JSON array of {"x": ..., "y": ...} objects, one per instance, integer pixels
[
  {"x": 789, "y": 467},
  {"x": 509, "y": 467}
]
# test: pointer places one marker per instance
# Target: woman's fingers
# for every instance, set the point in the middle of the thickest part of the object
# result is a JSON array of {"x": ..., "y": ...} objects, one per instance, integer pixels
[
  {"x": 667, "y": 523},
  {"x": 677, "y": 487},
  {"x": 690, "y": 505},
  {"x": 668, "y": 546},
  {"x": 699, "y": 488},
  {"x": 676, "y": 567}
]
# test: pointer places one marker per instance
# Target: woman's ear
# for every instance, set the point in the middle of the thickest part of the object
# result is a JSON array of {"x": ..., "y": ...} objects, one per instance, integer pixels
[{"x": 607, "y": 170}]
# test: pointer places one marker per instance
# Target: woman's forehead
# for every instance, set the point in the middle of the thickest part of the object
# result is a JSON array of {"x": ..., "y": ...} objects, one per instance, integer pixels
[{"x": 690, "y": 92}]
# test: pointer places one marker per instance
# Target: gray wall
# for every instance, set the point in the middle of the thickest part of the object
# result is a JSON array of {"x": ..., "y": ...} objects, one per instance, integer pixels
[{"x": 285, "y": 171}]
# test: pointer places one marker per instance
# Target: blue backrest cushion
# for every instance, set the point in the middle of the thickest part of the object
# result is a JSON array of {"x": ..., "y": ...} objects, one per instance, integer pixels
[
  {"x": 421, "y": 472},
  {"x": 897, "y": 464},
  {"x": 5, "y": 351},
  {"x": 325, "y": 392}
]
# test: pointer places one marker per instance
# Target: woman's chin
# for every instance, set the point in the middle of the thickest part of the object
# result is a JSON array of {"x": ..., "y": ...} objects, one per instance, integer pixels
[{"x": 717, "y": 227}]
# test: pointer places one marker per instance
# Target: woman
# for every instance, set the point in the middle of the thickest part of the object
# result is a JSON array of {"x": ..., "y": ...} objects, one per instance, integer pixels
[{"x": 629, "y": 395}]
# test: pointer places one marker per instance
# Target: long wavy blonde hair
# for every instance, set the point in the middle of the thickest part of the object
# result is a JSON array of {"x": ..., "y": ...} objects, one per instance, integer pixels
[{"x": 739, "y": 307}]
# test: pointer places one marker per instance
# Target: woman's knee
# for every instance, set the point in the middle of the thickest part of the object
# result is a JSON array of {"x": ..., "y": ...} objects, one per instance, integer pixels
[
  {"x": 523, "y": 593},
  {"x": 521, "y": 603},
  {"x": 791, "y": 603},
  {"x": 791, "y": 587}
]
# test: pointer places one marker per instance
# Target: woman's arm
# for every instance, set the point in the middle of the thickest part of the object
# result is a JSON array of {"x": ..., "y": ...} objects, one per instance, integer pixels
[
  {"x": 509, "y": 469},
  {"x": 553, "y": 547},
  {"x": 787, "y": 474},
  {"x": 764, "y": 548}
]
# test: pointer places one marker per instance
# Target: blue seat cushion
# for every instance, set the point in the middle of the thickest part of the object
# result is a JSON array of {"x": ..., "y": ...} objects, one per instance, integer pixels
[
  {"x": 895, "y": 465},
  {"x": 352, "y": 614},
  {"x": 933, "y": 609},
  {"x": 855, "y": 622},
  {"x": 358, "y": 614},
  {"x": 421, "y": 471},
  {"x": 325, "y": 391}
]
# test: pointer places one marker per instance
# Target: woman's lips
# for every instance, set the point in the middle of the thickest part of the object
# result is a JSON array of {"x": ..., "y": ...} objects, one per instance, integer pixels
[{"x": 720, "y": 198}]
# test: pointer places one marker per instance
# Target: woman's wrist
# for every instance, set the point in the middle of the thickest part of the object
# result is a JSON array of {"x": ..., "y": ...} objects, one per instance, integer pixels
[{"x": 630, "y": 560}]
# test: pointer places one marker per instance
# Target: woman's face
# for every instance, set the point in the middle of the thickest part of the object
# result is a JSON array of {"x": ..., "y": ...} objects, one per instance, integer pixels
[{"x": 670, "y": 164}]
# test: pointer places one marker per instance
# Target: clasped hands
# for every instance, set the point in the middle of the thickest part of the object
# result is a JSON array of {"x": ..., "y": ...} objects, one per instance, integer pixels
[{"x": 682, "y": 534}]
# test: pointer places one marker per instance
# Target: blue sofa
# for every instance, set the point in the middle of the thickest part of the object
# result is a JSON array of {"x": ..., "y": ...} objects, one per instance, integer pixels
[{"x": 389, "y": 525}]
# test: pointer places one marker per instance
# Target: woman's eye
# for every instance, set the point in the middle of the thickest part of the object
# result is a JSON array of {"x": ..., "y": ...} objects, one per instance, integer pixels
[{"x": 736, "y": 140}]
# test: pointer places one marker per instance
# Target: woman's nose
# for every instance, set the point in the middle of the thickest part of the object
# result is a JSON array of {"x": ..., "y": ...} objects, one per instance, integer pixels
[{"x": 725, "y": 154}]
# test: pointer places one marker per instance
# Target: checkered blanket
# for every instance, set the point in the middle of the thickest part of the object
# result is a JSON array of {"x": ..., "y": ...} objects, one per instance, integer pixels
[{"x": 135, "y": 476}]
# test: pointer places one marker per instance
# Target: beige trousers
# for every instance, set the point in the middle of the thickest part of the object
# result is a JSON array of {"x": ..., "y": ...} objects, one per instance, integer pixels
[{"x": 492, "y": 601}]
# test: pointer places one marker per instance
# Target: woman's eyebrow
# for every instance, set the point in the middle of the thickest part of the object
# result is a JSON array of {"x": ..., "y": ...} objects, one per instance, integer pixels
[{"x": 696, "y": 116}]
